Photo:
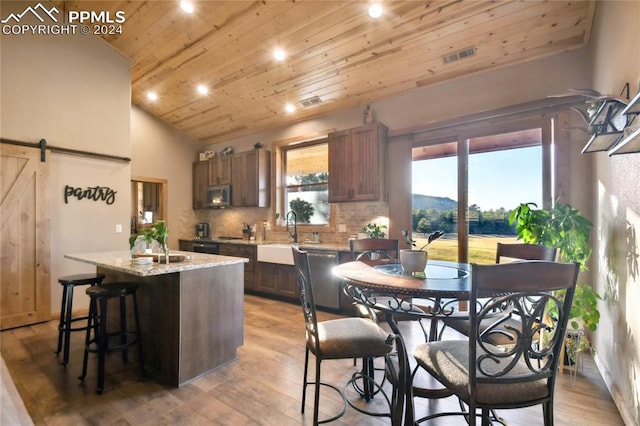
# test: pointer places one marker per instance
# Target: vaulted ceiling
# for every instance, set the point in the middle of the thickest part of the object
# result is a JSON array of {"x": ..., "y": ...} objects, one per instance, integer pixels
[{"x": 334, "y": 51}]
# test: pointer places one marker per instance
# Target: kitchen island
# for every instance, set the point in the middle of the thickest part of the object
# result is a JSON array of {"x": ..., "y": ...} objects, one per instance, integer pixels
[{"x": 191, "y": 312}]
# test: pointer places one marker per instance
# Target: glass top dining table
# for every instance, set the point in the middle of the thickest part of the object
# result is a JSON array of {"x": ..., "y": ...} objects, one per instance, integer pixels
[
  {"x": 388, "y": 288},
  {"x": 441, "y": 279}
]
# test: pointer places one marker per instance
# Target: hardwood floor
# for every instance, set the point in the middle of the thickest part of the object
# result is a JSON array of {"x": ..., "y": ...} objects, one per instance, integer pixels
[{"x": 262, "y": 388}]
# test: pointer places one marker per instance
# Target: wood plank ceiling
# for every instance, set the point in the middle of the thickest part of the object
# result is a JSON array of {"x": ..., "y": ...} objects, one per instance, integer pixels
[{"x": 335, "y": 51}]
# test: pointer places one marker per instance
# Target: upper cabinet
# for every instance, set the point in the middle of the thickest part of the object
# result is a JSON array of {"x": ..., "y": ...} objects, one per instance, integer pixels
[
  {"x": 248, "y": 173},
  {"x": 200, "y": 184},
  {"x": 250, "y": 179},
  {"x": 357, "y": 164},
  {"x": 220, "y": 171}
]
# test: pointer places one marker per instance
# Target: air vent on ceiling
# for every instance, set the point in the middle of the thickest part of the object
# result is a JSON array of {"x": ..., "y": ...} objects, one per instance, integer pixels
[
  {"x": 460, "y": 54},
  {"x": 310, "y": 101}
]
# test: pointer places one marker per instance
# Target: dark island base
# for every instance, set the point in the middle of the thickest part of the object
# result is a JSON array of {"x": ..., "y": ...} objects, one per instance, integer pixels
[{"x": 191, "y": 321}]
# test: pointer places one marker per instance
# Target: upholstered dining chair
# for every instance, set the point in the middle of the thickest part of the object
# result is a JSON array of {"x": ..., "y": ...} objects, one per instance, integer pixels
[
  {"x": 341, "y": 338},
  {"x": 378, "y": 251},
  {"x": 504, "y": 253},
  {"x": 487, "y": 377}
]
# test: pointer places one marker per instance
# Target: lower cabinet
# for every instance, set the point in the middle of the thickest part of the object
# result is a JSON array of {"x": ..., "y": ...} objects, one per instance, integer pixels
[
  {"x": 246, "y": 251},
  {"x": 277, "y": 279},
  {"x": 186, "y": 245}
]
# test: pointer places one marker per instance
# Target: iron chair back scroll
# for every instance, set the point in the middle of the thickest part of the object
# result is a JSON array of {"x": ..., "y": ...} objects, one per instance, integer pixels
[
  {"x": 518, "y": 252},
  {"x": 341, "y": 338},
  {"x": 488, "y": 377},
  {"x": 374, "y": 251}
]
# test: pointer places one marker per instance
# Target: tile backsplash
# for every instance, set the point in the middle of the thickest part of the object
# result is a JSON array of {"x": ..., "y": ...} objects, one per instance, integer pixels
[{"x": 228, "y": 222}]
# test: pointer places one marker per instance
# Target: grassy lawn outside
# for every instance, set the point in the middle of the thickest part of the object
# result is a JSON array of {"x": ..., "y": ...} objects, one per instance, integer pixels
[{"x": 482, "y": 248}]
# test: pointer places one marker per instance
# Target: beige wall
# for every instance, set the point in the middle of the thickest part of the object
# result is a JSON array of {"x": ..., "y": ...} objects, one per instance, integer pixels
[
  {"x": 481, "y": 92},
  {"x": 616, "y": 203},
  {"x": 160, "y": 151},
  {"x": 74, "y": 91}
]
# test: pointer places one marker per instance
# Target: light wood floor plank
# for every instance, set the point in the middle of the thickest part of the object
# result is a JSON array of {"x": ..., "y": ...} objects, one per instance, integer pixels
[{"x": 262, "y": 388}]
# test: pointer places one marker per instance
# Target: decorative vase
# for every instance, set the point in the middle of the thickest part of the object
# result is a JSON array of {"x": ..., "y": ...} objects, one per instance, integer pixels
[
  {"x": 413, "y": 261},
  {"x": 165, "y": 250}
]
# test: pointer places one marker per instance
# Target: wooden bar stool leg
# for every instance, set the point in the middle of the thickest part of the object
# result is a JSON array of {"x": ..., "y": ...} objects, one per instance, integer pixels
[
  {"x": 87, "y": 340},
  {"x": 123, "y": 328},
  {"x": 138, "y": 333},
  {"x": 63, "y": 311},
  {"x": 68, "y": 321},
  {"x": 103, "y": 344}
]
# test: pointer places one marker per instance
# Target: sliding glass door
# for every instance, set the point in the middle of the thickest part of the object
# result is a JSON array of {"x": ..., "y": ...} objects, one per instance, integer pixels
[{"x": 479, "y": 179}]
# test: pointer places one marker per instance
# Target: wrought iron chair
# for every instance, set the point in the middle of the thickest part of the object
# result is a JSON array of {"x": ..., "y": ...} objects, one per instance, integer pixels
[
  {"x": 498, "y": 335},
  {"x": 341, "y": 338},
  {"x": 374, "y": 251},
  {"x": 377, "y": 251},
  {"x": 487, "y": 377}
]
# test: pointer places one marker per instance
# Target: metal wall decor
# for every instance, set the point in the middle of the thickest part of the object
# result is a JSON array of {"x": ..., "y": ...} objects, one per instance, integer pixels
[
  {"x": 612, "y": 125},
  {"x": 95, "y": 193}
]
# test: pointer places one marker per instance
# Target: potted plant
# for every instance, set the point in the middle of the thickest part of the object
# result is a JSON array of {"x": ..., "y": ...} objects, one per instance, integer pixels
[
  {"x": 566, "y": 229},
  {"x": 374, "y": 231},
  {"x": 415, "y": 261},
  {"x": 158, "y": 232}
]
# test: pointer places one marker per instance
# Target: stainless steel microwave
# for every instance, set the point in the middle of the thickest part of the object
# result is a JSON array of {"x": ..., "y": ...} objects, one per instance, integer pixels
[{"x": 219, "y": 196}]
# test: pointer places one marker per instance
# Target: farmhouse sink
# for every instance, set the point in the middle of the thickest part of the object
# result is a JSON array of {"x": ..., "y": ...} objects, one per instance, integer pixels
[{"x": 275, "y": 253}]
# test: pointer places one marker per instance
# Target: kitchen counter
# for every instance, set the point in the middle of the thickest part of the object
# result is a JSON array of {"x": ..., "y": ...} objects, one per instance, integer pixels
[
  {"x": 191, "y": 312},
  {"x": 303, "y": 245},
  {"x": 119, "y": 261}
]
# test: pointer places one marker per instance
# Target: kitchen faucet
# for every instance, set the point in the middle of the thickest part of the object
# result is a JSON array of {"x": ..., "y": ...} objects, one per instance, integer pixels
[{"x": 295, "y": 225}]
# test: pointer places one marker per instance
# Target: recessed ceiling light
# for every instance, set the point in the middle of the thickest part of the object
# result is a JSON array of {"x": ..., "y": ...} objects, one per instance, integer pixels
[
  {"x": 289, "y": 108},
  {"x": 202, "y": 89},
  {"x": 279, "y": 54},
  {"x": 152, "y": 96},
  {"x": 187, "y": 6},
  {"x": 375, "y": 11}
]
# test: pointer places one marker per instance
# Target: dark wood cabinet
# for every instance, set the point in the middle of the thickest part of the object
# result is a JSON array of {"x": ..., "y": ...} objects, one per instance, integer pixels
[
  {"x": 246, "y": 251},
  {"x": 185, "y": 245},
  {"x": 248, "y": 173},
  {"x": 277, "y": 279},
  {"x": 151, "y": 196},
  {"x": 200, "y": 184},
  {"x": 250, "y": 179},
  {"x": 357, "y": 164},
  {"x": 220, "y": 171}
]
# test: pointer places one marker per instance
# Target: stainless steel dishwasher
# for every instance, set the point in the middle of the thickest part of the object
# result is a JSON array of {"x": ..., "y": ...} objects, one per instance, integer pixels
[{"x": 326, "y": 288}]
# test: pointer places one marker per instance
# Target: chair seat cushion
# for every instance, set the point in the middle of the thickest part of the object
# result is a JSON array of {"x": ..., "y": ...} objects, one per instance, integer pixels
[
  {"x": 351, "y": 338},
  {"x": 499, "y": 336},
  {"x": 448, "y": 362}
]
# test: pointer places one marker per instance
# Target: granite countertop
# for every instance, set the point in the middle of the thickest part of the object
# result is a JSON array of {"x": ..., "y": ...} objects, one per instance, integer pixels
[
  {"x": 119, "y": 261},
  {"x": 303, "y": 245}
]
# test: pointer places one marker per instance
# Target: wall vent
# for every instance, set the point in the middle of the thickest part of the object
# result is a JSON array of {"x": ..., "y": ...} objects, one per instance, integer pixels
[
  {"x": 460, "y": 54},
  {"x": 310, "y": 101}
]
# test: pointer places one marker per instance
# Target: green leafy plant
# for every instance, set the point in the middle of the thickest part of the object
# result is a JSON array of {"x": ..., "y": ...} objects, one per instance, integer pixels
[
  {"x": 158, "y": 232},
  {"x": 374, "y": 231},
  {"x": 565, "y": 228},
  {"x": 303, "y": 210},
  {"x": 431, "y": 238}
]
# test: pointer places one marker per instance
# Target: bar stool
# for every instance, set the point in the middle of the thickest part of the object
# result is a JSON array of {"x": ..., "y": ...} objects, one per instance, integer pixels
[
  {"x": 65, "y": 328},
  {"x": 97, "y": 322}
]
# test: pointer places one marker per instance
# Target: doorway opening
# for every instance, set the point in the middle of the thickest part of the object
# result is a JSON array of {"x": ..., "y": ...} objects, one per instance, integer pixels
[{"x": 148, "y": 202}]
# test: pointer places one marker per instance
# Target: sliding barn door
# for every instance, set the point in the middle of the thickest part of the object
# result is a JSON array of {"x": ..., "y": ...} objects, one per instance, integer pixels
[{"x": 24, "y": 240}]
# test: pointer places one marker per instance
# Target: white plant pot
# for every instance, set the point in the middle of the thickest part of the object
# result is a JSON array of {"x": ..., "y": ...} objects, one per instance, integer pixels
[{"x": 413, "y": 261}]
